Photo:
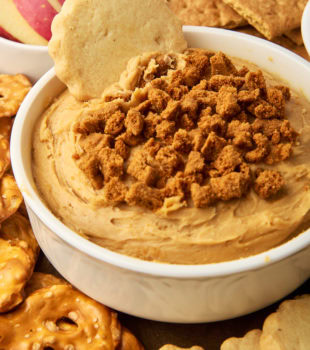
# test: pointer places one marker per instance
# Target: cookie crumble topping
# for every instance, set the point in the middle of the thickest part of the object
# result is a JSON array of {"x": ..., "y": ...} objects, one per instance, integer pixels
[{"x": 199, "y": 131}]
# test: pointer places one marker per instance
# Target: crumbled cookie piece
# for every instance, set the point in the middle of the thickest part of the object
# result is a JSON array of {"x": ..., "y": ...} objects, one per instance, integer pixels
[
  {"x": 171, "y": 111},
  {"x": 240, "y": 133},
  {"x": 278, "y": 153},
  {"x": 195, "y": 163},
  {"x": 227, "y": 160},
  {"x": 255, "y": 80},
  {"x": 175, "y": 186},
  {"x": 275, "y": 97},
  {"x": 196, "y": 68},
  {"x": 215, "y": 123},
  {"x": 248, "y": 96},
  {"x": 262, "y": 109},
  {"x": 115, "y": 191},
  {"x": 287, "y": 132},
  {"x": 115, "y": 123},
  {"x": 285, "y": 91},
  {"x": 212, "y": 146},
  {"x": 150, "y": 123},
  {"x": 111, "y": 163},
  {"x": 191, "y": 128},
  {"x": 144, "y": 196},
  {"x": 158, "y": 99},
  {"x": 189, "y": 105},
  {"x": 227, "y": 103},
  {"x": 187, "y": 123},
  {"x": 202, "y": 196},
  {"x": 221, "y": 64},
  {"x": 122, "y": 149},
  {"x": 268, "y": 183},
  {"x": 261, "y": 150},
  {"x": 152, "y": 147},
  {"x": 229, "y": 186},
  {"x": 165, "y": 129},
  {"x": 169, "y": 160},
  {"x": 182, "y": 141},
  {"x": 139, "y": 167},
  {"x": 217, "y": 81},
  {"x": 91, "y": 167},
  {"x": 134, "y": 122},
  {"x": 130, "y": 139}
]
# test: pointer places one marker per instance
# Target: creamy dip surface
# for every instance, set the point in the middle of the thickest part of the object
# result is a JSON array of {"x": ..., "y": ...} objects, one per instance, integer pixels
[{"x": 183, "y": 235}]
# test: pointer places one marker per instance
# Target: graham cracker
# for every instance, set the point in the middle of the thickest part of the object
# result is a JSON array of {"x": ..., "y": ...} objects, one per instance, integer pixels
[
  {"x": 210, "y": 13},
  {"x": 295, "y": 36},
  {"x": 272, "y": 18}
]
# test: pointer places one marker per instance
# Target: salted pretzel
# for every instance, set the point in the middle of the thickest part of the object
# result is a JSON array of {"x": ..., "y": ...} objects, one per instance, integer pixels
[
  {"x": 5, "y": 159},
  {"x": 18, "y": 254},
  {"x": 13, "y": 89},
  {"x": 10, "y": 196},
  {"x": 41, "y": 280},
  {"x": 62, "y": 318},
  {"x": 6, "y": 124}
]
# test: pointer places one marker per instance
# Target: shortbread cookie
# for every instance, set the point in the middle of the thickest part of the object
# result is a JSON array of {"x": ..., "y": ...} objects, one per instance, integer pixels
[
  {"x": 210, "y": 13},
  {"x": 249, "y": 342},
  {"x": 93, "y": 40},
  {"x": 174, "y": 347},
  {"x": 270, "y": 17},
  {"x": 289, "y": 327}
]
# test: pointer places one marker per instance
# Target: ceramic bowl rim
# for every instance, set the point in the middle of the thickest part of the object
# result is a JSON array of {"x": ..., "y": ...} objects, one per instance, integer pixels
[{"x": 21, "y": 46}]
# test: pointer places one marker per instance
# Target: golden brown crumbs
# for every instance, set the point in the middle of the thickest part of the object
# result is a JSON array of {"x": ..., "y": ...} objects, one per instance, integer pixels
[
  {"x": 197, "y": 132},
  {"x": 115, "y": 191},
  {"x": 142, "y": 195},
  {"x": 268, "y": 183}
]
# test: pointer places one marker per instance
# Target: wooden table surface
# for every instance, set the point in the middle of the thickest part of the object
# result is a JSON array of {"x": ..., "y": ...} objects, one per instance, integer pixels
[{"x": 208, "y": 335}]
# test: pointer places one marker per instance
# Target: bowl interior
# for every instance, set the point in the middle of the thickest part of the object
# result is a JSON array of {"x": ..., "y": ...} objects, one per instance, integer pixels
[{"x": 270, "y": 57}]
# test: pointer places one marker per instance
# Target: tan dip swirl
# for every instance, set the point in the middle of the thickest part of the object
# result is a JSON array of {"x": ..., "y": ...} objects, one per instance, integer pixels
[{"x": 188, "y": 159}]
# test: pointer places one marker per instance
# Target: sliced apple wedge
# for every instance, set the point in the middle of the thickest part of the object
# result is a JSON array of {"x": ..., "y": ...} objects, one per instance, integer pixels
[
  {"x": 56, "y": 4},
  {"x": 39, "y": 14},
  {"x": 15, "y": 24},
  {"x": 6, "y": 35}
]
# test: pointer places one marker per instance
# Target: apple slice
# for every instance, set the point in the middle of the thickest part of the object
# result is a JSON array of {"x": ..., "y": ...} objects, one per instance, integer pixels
[
  {"x": 14, "y": 24},
  {"x": 56, "y": 4},
  {"x": 6, "y": 35},
  {"x": 61, "y": 1},
  {"x": 39, "y": 14}
]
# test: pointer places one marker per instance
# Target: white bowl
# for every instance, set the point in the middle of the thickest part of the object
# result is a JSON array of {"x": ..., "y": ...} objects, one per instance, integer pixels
[
  {"x": 305, "y": 27},
  {"x": 31, "y": 60},
  {"x": 164, "y": 292}
]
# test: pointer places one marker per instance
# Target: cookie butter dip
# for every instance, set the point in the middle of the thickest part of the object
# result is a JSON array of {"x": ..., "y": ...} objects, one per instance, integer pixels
[{"x": 189, "y": 159}]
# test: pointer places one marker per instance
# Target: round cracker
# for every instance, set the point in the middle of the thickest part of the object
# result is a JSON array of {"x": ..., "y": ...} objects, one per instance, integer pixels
[
  {"x": 92, "y": 40},
  {"x": 289, "y": 326}
]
